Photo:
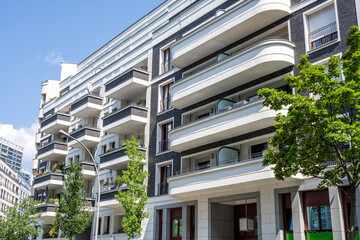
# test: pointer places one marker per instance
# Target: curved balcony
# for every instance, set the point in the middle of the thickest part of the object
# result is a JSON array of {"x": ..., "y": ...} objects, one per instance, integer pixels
[
  {"x": 53, "y": 151},
  {"x": 237, "y": 69},
  {"x": 87, "y": 106},
  {"x": 116, "y": 159},
  {"x": 132, "y": 83},
  {"x": 226, "y": 124},
  {"x": 89, "y": 136},
  {"x": 51, "y": 180},
  {"x": 126, "y": 120},
  {"x": 246, "y": 171},
  {"x": 55, "y": 123},
  {"x": 225, "y": 29}
]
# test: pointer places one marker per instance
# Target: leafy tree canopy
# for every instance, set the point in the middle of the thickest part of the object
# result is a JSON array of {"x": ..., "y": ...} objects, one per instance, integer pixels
[
  {"x": 73, "y": 216},
  {"x": 20, "y": 221},
  {"x": 135, "y": 198}
]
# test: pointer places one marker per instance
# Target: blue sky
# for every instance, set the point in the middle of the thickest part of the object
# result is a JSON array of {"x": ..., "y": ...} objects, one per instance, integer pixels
[{"x": 36, "y": 35}]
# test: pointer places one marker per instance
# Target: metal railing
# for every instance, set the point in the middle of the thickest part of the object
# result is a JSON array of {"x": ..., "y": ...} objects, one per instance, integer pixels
[
  {"x": 163, "y": 188},
  {"x": 164, "y": 146},
  {"x": 323, "y": 35},
  {"x": 221, "y": 163}
]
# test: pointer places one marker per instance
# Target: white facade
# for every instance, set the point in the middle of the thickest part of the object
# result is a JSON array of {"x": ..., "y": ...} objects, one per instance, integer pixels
[{"x": 183, "y": 81}]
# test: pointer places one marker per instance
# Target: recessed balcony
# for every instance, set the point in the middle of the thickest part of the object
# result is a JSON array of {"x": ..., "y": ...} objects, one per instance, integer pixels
[
  {"x": 226, "y": 28},
  {"x": 235, "y": 121},
  {"x": 89, "y": 136},
  {"x": 87, "y": 106},
  {"x": 230, "y": 174},
  {"x": 126, "y": 120},
  {"x": 107, "y": 196},
  {"x": 53, "y": 151},
  {"x": 132, "y": 83},
  {"x": 55, "y": 123},
  {"x": 237, "y": 69},
  {"x": 116, "y": 159},
  {"x": 50, "y": 180}
]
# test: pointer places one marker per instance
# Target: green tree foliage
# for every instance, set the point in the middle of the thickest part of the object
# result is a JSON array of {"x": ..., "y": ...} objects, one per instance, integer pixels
[
  {"x": 73, "y": 216},
  {"x": 134, "y": 199},
  {"x": 20, "y": 221},
  {"x": 320, "y": 135}
]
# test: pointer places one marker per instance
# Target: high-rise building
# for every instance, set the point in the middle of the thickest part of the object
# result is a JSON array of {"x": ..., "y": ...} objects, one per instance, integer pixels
[
  {"x": 9, "y": 188},
  {"x": 11, "y": 154},
  {"x": 26, "y": 174},
  {"x": 183, "y": 80}
]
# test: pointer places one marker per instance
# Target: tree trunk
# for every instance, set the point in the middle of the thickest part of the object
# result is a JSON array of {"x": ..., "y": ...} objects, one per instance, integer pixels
[{"x": 352, "y": 227}]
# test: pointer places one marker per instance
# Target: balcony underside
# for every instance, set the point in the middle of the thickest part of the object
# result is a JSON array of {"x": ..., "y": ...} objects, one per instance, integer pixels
[
  {"x": 127, "y": 125},
  {"x": 257, "y": 61},
  {"x": 87, "y": 110},
  {"x": 131, "y": 83},
  {"x": 55, "y": 126},
  {"x": 244, "y": 174},
  {"x": 129, "y": 89},
  {"x": 225, "y": 29},
  {"x": 229, "y": 124},
  {"x": 56, "y": 155},
  {"x": 87, "y": 106},
  {"x": 50, "y": 184}
]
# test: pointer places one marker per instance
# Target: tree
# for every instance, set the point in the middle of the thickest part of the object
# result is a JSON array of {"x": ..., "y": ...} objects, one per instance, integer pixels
[
  {"x": 73, "y": 216},
  {"x": 320, "y": 135},
  {"x": 17, "y": 217},
  {"x": 135, "y": 198}
]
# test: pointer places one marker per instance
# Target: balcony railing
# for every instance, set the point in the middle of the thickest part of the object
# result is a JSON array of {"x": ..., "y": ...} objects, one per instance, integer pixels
[
  {"x": 164, "y": 146},
  {"x": 254, "y": 156},
  {"x": 163, "y": 188},
  {"x": 132, "y": 73},
  {"x": 90, "y": 98},
  {"x": 323, "y": 35},
  {"x": 132, "y": 109},
  {"x": 109, "y": 193}
]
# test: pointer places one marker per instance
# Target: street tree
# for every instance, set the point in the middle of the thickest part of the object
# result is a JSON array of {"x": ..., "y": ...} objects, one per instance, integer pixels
[
  {"x": 20, "y": 221},
  {"x": 73, "y": 216},
  {"x": 135, "y": 198},
  {"x": 320, "y": 134}
]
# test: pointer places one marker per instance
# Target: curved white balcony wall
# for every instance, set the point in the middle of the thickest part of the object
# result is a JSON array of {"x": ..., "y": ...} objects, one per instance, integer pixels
[
  {"x": 227, "y": 28},
  {"x": 222, "y": 126},
  {"x": 249, "y": 173},
  {"x": 256, "y": 61}
]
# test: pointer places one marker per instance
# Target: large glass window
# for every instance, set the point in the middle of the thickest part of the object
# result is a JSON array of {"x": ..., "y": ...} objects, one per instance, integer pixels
[{"x": 165, "y": 102}]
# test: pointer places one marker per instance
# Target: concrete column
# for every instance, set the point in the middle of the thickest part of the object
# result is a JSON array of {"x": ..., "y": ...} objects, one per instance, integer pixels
[
  {"x": 185, "y": 223},
  {"x": 204, "y": 214},
  {"x": 267, "y": 213},
  {"x": 298, "y": 216},
  {"x": 358, "y": 204},
  {"x": 337, "y": 215},
  {"x": 102, "y": 225},
  {"x": 166, "y": 224}
]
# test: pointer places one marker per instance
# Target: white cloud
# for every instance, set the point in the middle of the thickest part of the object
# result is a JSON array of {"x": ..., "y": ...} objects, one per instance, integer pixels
[
  {"x": 24, "y": 137},
  {"x": 54, "y": 58}
]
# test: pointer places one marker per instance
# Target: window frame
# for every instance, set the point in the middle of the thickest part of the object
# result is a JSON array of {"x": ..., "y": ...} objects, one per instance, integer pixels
[{"x": 306, "y": 25}]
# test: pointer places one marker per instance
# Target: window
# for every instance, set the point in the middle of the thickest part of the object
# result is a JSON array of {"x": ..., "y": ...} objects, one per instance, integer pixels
[
  {"x": 176, "y": 223},
  {"x": 317, "y": 212},
  {"x": 71, "y": 160},
  {"x": 165, "y": 173},
  {"x": 258, "y": 150},
  {"x": 103, "y": 148},
  {"x": 111, "y": 146},
  {"x": 322, "y": 27},
  {"x": 287, "y": 216},
  {"x": 77, "y": 158},
  {"x": 166, "y": 60},
  {"x": 165, "y": 102},
  {"x": 164, "y": 137}
]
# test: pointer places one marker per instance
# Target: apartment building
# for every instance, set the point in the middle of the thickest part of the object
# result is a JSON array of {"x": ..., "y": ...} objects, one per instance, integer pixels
[
  {"x": 9, "y": 188},
  {"x": 26, "y": 174},
  {"x": 183, "y": 81},
  {"x": 11, "y": 154}
]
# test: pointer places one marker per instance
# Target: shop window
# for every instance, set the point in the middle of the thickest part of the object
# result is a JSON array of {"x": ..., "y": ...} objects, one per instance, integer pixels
[
  {"x": 176, "y": 223},
  {"x": 287, "y": 217},
  {"x": 317, "y": 214}
]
